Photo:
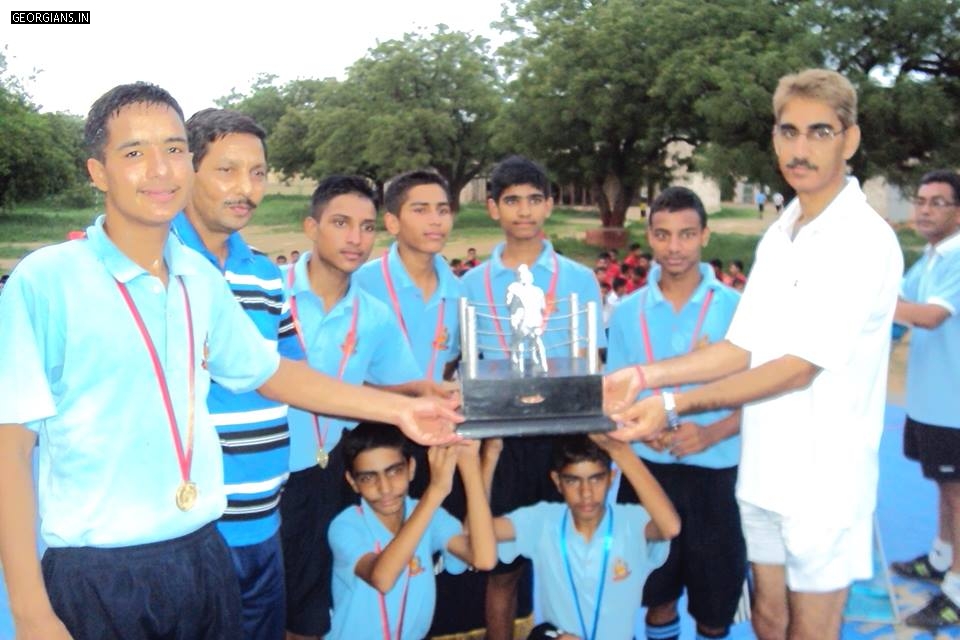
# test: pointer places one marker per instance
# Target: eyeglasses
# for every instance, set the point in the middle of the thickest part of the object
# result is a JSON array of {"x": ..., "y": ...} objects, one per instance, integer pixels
[
  {"x": 933, "y": 203},
  {"x": 816, "y": 133}
]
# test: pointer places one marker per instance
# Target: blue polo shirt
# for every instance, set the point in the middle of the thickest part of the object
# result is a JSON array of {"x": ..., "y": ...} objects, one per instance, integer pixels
[
  {"x": 933, "y": 363},
  {"x": 77, "y": 371},
  {"x": 671, "y": 334},
  {"x": 572, "y": 277},
  {"x": 253, "y": 429},
  {"x": 632, "y": 558},
  {"x": 420, "y": 317},
  {"x": 382, "y": 355},
  {"x": 356, "y": 605}
]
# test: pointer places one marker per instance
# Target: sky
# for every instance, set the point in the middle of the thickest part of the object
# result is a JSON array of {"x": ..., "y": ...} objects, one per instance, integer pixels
[{"x": 200, "y": 50}]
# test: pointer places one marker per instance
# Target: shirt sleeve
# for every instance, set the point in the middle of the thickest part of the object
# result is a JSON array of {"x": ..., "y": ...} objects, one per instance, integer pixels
[
  {"x": 240, "y": 358},
  {"x": 527, "y": 523},
  {"x": 944, "y": 288},
  {"x": 349, "y": 541},
  {"x": 443, "y": 527},
  {"x": 26, "y": 347},
  {"x": 655, "y": 551}
]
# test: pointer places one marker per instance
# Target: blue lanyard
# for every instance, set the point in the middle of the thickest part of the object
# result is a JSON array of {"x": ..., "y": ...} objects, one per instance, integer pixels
[{"x": 607, "y": 543}]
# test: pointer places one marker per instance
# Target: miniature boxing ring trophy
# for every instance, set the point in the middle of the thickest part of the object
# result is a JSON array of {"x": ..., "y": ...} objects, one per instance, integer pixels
[{"x": 529, "y": 393}]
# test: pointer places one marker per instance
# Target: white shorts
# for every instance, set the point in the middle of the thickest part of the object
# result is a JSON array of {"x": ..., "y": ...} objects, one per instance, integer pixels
[{"x": 817, "y": 556}]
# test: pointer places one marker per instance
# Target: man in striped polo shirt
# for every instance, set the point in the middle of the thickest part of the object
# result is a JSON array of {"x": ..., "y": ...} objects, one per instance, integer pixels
[{"x": 229, "y": 159}]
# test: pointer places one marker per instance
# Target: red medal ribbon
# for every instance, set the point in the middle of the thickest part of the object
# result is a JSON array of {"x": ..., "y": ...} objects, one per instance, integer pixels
[
  {"x": 437, "y": 343},
  {"x": 184, "y": 454},
  {"x": 645, "y": 330},
  {"x": 347, "y": 348},
  {"x": 384, "y": 616},
  {"x": 550, "y": 300}
]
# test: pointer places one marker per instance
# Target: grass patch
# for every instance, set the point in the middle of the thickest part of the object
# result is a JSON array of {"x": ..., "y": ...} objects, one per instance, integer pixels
[{"x": 734, "y": 212}]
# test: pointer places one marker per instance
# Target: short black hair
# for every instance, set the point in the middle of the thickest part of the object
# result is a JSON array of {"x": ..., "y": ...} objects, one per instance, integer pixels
[
  {"x": 372, "y": 435},
  {"x": 717, "y": 262},
  {"x": 738, "y": 264},
  {"x": 109, "y": 105},
  {"x": 338, "y": 185},
  {"x": 579, "y": 448},
  {"x": 634, "y": 246},
  {"x": 516, "y": 170},
  {"x": 399, "y": 187},
  {"x": 944, "y": 175},
  {"x": 209, "y": 125},
  {"x": 677, "y": 199}
]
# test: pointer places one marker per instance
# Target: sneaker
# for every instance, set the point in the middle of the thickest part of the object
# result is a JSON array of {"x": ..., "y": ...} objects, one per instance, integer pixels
[
  {"x": 918, "y": 569},
  {"x": 939, "y": 612}
]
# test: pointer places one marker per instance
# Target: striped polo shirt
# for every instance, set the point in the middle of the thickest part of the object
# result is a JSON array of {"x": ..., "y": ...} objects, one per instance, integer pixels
[{"x": 253, "y": 430}]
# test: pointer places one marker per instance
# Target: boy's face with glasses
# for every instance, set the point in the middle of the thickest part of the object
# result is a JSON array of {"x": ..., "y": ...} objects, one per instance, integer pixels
[
  {"x": 936, "y": 212},
  {"x": 813, "y": 146}
]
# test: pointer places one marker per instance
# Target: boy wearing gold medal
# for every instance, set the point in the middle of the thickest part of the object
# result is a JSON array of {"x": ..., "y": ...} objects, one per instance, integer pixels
[
  {"x": 384, "y": 585},
  {"x": 346, "y": 333},
  {"x": 110, "y": 380}
]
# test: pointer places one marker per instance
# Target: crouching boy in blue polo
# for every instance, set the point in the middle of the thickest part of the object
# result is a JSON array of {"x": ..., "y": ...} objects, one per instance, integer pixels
[
  {"x": 588, "y": 562},
  {"x": 383, "y": 580}
]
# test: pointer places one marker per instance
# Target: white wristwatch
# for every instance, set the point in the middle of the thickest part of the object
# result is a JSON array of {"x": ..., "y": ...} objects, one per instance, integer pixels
[{"x": 670, "y": 406}]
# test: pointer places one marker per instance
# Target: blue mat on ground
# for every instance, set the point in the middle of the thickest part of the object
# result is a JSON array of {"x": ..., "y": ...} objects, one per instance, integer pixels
[{"x": 906, "y": 511}]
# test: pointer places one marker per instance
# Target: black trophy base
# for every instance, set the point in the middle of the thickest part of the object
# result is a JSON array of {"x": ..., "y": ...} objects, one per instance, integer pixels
[{"x": 498, "y": 402}]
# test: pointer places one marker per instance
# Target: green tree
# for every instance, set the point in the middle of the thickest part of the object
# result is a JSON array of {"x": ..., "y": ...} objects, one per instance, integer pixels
[
  {"x": 603, "y": 89},
  {"x": 42, "y": 152},
  {"x": 421, "y": 101}
]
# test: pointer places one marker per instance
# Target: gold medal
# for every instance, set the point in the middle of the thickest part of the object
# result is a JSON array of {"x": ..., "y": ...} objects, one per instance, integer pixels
[
  {"x": 187, "y": 494},
  {"x": 323, "y": 458}
]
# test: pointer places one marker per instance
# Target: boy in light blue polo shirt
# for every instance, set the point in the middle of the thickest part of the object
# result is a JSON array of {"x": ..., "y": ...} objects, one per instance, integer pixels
[
  {"x": 412, "y": 278},
  {"x": 929, "y": 300},
  {"x": 107, "y": 372},
  {"x": 590, "y": 557},
  {"x": 383, "y": 548},
  {"x": 520, "y": 202},
  {"x": 683, "y": 307},
  {"x": 347, "y": 333}
]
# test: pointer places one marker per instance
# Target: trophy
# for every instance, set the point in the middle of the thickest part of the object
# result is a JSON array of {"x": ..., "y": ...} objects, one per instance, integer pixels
[{"x": 529, "y": 393}]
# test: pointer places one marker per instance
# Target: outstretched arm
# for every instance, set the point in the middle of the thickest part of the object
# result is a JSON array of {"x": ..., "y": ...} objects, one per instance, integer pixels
[
  {"x": 787, "y": 373},
  {"x": 427, "y": 421},
  {"x": 620, "y": 388}
]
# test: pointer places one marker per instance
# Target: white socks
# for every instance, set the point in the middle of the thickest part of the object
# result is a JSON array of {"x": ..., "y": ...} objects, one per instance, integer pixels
[{"x": 941, "y": 555}]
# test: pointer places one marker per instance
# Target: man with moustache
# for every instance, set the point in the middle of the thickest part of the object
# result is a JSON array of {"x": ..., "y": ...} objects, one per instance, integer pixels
[
  {"x": 230, "y": 165},
  {"x": 806, "y": 354},
  {"x": 929, "y": 299}
]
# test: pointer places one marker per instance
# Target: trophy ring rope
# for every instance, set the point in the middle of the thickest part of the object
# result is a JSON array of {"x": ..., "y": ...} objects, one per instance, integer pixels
[{"x": 529, "y": 393}]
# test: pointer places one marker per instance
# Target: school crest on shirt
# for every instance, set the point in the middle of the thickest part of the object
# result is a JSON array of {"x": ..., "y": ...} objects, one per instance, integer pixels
[
  {"x": 621, "y": 570},
  {"x": 441, "y": 342},
  {"x": 415, "y": 567}
]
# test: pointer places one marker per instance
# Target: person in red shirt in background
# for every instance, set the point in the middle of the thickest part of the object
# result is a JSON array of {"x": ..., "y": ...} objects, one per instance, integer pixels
[{"x": 735, "y": 273}]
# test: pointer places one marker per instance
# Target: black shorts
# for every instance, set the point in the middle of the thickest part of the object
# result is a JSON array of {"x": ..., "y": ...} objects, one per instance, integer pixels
[
  {"x": 709, "y": 557},
  {"x": 937, "y": 449},
  {"x": 311, "y": 499},
  {"x": 522, "y": 478},
  {"x": 184, "y": 589}
]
